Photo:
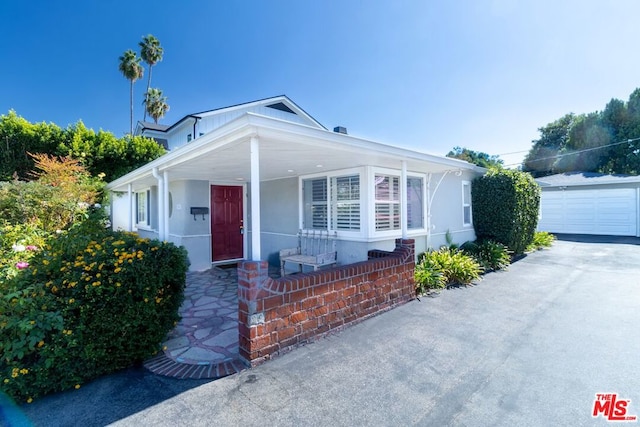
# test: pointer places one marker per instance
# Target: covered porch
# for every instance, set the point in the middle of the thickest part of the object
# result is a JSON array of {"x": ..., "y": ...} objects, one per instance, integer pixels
[{"x": 265, "y": 159}]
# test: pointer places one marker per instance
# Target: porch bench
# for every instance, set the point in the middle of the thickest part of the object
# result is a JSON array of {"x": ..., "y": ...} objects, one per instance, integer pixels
[{"x": 316, "y": 248}]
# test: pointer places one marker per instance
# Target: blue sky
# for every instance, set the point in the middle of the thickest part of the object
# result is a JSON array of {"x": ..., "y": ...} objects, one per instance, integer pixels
[{"x": 424, "y": 74}]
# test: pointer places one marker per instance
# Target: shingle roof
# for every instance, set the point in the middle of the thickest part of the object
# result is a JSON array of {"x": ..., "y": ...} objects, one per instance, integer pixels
[{"x": 585, "y": 178}]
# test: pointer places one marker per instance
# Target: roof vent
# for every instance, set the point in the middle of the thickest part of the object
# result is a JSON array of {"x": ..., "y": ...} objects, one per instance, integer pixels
[{"x": 340, "y": 129}]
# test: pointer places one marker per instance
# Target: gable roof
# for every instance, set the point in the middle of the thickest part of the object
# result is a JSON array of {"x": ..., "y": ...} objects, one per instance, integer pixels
[
  {"x": 585, "y": 178},
  {"x": 280, "y": 102}
]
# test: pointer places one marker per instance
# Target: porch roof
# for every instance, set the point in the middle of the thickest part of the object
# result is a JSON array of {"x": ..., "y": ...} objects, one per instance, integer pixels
[{"x": 286, "y": 150}]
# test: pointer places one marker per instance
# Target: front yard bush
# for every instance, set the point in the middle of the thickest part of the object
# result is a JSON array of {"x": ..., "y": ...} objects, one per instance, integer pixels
[
  {"x": 490, "y": 255},
  {"x": 541, "y": 240},
  {"x": 18, "y": 243},
  {"x": 90, "y": 302},
  {"x": 445, "y": 267},
  {"x": 505, "y": 207}
]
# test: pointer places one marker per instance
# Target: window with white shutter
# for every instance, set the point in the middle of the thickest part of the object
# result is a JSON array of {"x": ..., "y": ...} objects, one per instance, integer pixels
[
  {"x": 315, "y": 203},
  {"x": 345, "y": 202},
  {"x": 387, "y": 202}
]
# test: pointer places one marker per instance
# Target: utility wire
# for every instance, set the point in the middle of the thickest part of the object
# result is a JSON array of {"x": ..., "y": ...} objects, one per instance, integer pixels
[{"x": 584, "y": 150}]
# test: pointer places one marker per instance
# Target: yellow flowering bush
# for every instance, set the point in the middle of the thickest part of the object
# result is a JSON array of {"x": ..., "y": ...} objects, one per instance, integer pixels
[{"x": 90, "y": 302}]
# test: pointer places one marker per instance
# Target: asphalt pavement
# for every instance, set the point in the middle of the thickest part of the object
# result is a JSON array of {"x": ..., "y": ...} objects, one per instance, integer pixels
[{"x": 531, "y": 346}]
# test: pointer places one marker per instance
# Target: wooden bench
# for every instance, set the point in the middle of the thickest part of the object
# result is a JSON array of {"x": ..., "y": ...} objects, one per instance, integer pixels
[{"x": 316, "y": 248}]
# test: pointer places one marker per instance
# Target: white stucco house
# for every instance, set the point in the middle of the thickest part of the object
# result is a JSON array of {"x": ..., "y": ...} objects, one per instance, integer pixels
[
  {"x": 590, "y": 203},
  {"x": 238, "y": 183}
]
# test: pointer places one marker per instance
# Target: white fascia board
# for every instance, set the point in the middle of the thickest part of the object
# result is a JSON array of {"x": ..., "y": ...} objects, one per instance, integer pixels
[
  {"x": 231, "y": 131},
  {"x": 250, "y": 124},
  {"x": 544, "y": 185},
  {"x": 321, "y": 137}
]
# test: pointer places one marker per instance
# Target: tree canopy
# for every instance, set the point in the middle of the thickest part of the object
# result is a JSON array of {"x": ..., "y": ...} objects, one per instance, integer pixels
[
  {"x": 151, "y": 52},
  {"x": 132, "y": 70},
  {"x": 606, "y": 141},
  {"x": 155, "y": 104},
  {"x": 476, "y": 157},
  {"x": 99, "y": 152}
]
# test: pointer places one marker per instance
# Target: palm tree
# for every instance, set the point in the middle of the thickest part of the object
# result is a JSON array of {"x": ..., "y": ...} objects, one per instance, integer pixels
[
  {"x": 132, "y": 71},
  {"x": 151, "y": 53},
  {"x": 155, "y": 104}
]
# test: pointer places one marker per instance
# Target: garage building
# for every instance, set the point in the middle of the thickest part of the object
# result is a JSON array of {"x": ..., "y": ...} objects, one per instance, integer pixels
[{"x": 590, "y": 203}]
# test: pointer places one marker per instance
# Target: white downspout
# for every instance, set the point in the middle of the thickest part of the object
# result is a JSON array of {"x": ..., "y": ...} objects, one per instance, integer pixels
[
  {"x": 403, "y": 200},
  {"x": 430, "y": 198},
  {"x": 638, "y": 212},
  {"x": 157, "y": 176},
  {"x": 255, "y": 200},
  {"x": 429, "y": 211},
  {"x": 131, "y": 209}
]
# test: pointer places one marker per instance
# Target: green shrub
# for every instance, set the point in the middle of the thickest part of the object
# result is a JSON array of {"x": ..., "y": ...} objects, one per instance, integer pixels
[
  {"x": 60, "y": 197},
  {"x": 428, "y": 276},
  {"x": 18, "y": 243},
  {"x": 541, "y": 239},
  {"x": 489, "y": 254},
  {"x": 100, "y": 152},
  {"x": 444, "y": 267},
  {"x": 505, "y": 207},
  {"x": 91, "y": 302}
]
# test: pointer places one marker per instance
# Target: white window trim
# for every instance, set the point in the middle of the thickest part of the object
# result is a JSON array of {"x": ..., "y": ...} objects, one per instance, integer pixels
[
  {"x": 394, "y": 204},
  {"x": 347, "y": 234},
  {"x": 145, "y": 224},
  {"x": 469, "y": 205},
  {"x": 423, "y": 229},
  {"x": 374, "y": 234}
]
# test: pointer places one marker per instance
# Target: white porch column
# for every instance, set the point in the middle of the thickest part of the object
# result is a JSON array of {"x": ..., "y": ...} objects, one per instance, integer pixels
[
  {"x": 160, "y": 209},
  {"x": 131, "y": 209},
  {"x": 165, "y": 198},
  {"x": 403, "y": 199},
  {"x": 255, "y": 200}
]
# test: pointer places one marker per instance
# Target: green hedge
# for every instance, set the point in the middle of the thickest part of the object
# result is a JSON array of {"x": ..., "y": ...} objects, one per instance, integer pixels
[
  {"x": 89, "y": 303},
  {"x": 505, "y": 208}
]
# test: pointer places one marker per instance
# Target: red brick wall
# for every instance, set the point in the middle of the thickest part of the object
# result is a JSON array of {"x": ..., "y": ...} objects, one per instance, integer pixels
[{"x": 276, "y": 315}]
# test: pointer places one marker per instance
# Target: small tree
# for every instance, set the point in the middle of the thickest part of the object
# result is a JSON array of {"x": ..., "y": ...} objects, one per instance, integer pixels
[
  {"x": 505, "y": 208},
  {"x": 476, "y": 157}
]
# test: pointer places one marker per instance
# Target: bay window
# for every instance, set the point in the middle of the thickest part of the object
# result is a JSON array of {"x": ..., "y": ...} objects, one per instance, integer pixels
[
  {"x": 345, "y": 203},
  {"x": 387, "y": 202}
]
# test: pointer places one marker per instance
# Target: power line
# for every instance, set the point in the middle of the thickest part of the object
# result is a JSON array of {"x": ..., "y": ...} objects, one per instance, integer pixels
[
  {"x": 514, "y": 152},
  {"x": 584, "y": 150}
]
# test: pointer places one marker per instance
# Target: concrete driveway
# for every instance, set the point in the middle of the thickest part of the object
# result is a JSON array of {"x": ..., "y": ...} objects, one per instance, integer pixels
[{"x": 529, "y": 347}]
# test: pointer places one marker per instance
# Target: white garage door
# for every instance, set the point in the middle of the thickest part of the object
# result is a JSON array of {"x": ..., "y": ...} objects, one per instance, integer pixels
[{"x": 608, "y": 212}]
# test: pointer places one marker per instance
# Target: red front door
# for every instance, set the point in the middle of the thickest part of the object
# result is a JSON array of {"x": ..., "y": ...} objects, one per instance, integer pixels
[{"x": 226, "y": 222}]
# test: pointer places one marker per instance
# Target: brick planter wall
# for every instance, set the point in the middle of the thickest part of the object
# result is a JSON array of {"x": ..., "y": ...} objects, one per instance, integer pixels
[{"x": 276, "y": 315}]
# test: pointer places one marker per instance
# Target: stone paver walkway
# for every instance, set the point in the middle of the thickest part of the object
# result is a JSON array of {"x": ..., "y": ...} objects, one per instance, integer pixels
[{"x": 205, "y": 342}]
